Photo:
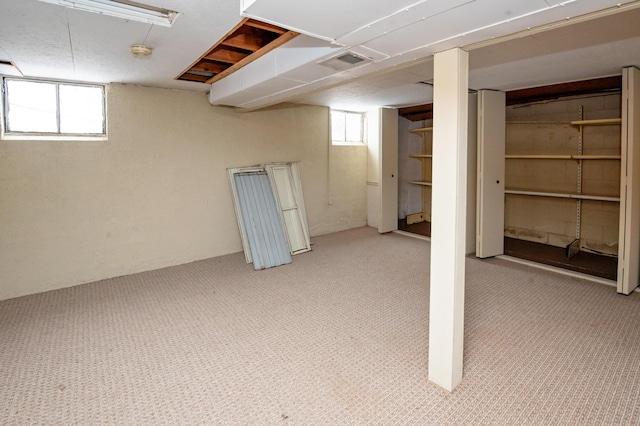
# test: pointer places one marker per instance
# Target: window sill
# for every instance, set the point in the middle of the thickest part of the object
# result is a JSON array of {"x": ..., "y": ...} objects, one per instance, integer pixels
[
  {"x": 53, "y": 138},
  {"x": 341, "y": 143}
]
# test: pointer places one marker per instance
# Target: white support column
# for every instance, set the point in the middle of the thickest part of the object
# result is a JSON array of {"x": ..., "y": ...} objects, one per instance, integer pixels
[{"x": 449, "y": 199}]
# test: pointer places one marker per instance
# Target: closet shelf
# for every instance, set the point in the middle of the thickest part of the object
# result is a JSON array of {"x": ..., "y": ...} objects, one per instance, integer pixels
[
  {"x": 421, "y": 130},
  {"x": 561, "y": 157},
  {"x": 566, "y": 123},
  {"x": 420, "y": 156},
  {"x": 597, "y": 122},
  {"x": 561, "y": 195},
  {"x": 600, "y": 122},
  {"x": 420, "y": 182}
]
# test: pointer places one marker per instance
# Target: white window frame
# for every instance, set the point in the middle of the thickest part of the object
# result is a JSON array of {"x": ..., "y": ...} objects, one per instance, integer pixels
[
  {"x": 344, "y": 140},
  {"x": 13, "y": 135}
]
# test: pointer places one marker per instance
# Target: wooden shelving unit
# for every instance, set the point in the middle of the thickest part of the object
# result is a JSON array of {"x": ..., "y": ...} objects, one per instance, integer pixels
[
  {"x": 578, "y": 195},
  {"x": 578, "y": 157},
  {"x": 561, "y": 195},
  {"x": 600, "y": 122},
  {"x": 424, "y": 183},
  {"x": 421, "y": 130},
  {"x": 562, "y": 157}
]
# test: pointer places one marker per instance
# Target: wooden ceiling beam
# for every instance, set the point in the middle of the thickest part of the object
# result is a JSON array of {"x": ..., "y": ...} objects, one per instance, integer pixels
[
  {"x": 207, "y": 66},
  {"x": 417, "y": 113},
  {"x": 264, "y": 26},
  {"x": 226, "y": 55},
  {"x": 248, "y": 38},
  {"x": 533, "y": 94},
  {"x": 555, "y": 91},
  {"x": 194, "y": 77}
]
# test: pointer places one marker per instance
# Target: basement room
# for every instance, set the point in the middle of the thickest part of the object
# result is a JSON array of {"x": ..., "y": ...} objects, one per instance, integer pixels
[{"x": 240, "y": 212}]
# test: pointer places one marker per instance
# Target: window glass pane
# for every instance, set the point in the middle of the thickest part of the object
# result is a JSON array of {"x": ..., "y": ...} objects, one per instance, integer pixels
[
  {"x": 354, "y": 127},
  {"x": 81, "y": 109},
  {"x": 337, "y": 125},
  {"x": 31, "y": 106}
]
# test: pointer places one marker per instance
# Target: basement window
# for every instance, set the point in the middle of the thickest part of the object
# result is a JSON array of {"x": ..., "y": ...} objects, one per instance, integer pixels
[
  {"x": 40, "y": 109},
  {"x": 347, "y": 127}
]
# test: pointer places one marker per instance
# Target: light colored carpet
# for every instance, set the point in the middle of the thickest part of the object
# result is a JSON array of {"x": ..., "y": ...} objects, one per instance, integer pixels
[{"x": 337, "y": 337}]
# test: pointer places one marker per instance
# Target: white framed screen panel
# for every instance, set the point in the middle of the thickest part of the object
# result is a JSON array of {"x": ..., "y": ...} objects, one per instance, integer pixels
[{"x": 285, "y": 179}]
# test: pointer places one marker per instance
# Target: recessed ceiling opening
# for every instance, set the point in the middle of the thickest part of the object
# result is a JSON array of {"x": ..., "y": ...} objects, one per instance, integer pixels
[{"x": 245, "y": 43}]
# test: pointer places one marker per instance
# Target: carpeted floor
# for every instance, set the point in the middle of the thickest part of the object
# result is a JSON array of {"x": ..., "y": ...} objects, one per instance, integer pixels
[{"x": 337, "y": 337}]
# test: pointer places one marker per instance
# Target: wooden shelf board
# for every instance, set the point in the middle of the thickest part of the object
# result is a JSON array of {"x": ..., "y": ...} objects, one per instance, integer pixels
[
  {"x": 537, "y": 157},
  {"x": 561, "y": 195},
  {"x": 596, "y": 157},
  {"x": 561, "y": 157},
  {"x": 420, "y": 182},
  {"x": 421, "y": 130},
  {"x": 421, "y": 156},
  {"x": 600, "y": 122},
  {"x": 566, "y": 123}
]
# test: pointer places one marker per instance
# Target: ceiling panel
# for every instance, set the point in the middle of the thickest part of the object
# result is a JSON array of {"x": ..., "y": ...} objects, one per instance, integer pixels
[
  {"x": 581, "y": 51},
  {"x": 39, "y": 37},
  {"x": 566, "y": 14},
  {"x": 454, "y": 22},
  {"x": 400, "y": 19},
  {"x": 38, "y": 43},
  {"x": 327, "y": 19},
  {"x": 92, "y": 58}
]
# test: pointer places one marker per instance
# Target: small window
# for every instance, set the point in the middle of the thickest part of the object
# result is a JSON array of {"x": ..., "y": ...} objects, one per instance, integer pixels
[
  {"x": 347, "y": 127},
  {"x": 34, "y": 108}
]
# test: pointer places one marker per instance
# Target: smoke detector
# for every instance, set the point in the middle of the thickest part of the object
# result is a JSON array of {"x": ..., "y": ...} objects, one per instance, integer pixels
[{"x": 345, "y": 61}]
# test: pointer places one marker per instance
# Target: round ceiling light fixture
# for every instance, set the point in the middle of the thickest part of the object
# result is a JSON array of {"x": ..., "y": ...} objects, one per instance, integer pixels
[{"x": 140, "y": 50}]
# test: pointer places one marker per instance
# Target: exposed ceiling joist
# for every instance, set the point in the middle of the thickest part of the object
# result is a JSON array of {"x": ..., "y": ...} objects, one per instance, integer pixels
[
  {"x": 245, "y": 43},
  {"x": 533, "y": 94},
  {"x": 562, "y": 90}
]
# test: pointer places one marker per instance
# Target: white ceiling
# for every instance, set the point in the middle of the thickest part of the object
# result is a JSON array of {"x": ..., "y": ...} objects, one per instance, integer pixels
[{"x": 400, "y": 36}]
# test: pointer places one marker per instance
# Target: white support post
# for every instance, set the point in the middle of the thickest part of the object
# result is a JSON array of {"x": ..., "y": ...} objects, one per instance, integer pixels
[
  {"x": 449, "y": 199},
  {"x": 449, "y": 212}
]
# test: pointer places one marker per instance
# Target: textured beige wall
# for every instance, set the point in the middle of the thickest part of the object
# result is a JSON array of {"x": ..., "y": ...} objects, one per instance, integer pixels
[
  {"x": 156, "y": 193},
  {"x": 550, "y": 220}
]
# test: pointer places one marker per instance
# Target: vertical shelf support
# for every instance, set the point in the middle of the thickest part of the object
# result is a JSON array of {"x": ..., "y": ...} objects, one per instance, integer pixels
[
  {"x": 579, "y": 202},
  {"x": 426, "y": 177}
]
